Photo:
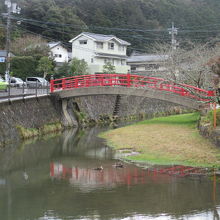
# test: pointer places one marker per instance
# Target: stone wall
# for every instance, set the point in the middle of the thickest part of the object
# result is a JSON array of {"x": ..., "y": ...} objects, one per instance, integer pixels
[
  {"x": 96, "y": 106},
  {"x": 132, "y": 105},
  {"x": 31, "y": 113},
  {"x": 207, "y": 131}
]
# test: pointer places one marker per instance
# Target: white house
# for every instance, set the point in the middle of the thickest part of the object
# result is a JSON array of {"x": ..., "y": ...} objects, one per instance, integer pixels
[
  {"x": 58, "y": 52},
  {"x": 147, "y": 64},
  {"x": 99, "y": 49}
]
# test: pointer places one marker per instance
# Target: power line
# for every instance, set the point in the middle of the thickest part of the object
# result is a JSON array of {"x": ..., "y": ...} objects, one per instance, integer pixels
[{"x": 114, "y": 28}]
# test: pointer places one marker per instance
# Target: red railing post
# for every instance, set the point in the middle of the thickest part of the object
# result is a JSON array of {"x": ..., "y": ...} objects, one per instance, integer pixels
[
  {"x": 52, "y": 86},
  {"x": 128, "y": 80},
  {"x": 76, "y": 83},
  {"x": 102, "y": 80},
  {"x": 87, "y": 82},
  {"x": 64, "y": 84},
  {"x": 210, "y": 93},
  {"x": 182, "y": 92}
]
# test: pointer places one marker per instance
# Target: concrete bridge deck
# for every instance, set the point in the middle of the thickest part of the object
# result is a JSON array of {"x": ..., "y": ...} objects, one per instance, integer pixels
[{"x": 131, "y": 91}]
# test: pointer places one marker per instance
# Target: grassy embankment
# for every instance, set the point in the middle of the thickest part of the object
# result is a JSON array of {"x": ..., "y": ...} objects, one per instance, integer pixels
[{"x": 166, "y": 140}]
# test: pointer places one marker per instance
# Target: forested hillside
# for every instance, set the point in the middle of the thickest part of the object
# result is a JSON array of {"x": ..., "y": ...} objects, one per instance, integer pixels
[{"x": 141, "y": 22}]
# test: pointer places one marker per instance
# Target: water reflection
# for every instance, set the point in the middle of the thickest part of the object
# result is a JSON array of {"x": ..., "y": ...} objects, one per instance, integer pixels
[
  {"x": 109, "y": 177},
  {"x": 54, "y": 178}
]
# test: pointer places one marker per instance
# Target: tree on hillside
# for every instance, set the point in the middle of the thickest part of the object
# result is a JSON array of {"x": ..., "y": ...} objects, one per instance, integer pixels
[
  {"x": 78, "y": 67},
  {"x": 214, "y": 64},
  {"x": 45, "y": 66},
  {"x": 141, "y": 22},
  {"x": 30, "y": 45},
  {"x": 52, "y": 20},
  {"x": 108, "y": 68}
]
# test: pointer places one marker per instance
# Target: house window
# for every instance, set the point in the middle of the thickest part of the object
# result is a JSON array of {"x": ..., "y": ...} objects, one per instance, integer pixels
[
  {"x": 99, "y": 45},
  {"x": 92, "y": 60},
  {"x": 111, "y": 46},
  {"x": 122, "y": 62},
  {"x": 133, "y": 68},
  {"x": 58, "y": 55},
  {"x": 83, "y": 42},
  {"x": 151, "y": 66},
  {"x": 106, "y": 61}
]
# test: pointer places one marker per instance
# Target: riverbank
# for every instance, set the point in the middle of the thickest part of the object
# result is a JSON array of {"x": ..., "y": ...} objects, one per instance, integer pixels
[{"x": 172, "y": 140}]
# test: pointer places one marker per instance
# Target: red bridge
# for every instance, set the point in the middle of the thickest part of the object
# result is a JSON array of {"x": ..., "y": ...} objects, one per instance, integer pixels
[{"x": 127, "y": 84}]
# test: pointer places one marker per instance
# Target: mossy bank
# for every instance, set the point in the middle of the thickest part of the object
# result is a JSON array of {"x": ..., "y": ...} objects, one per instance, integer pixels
[{"x": 166, "y": 140}]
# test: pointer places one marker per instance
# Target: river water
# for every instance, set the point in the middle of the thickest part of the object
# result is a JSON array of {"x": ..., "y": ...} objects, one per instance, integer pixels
[{"x": 54, "y": 178}]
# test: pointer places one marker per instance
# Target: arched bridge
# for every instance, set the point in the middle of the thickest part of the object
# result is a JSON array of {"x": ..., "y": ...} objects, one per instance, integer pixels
[{"x": 127, "y": 84}]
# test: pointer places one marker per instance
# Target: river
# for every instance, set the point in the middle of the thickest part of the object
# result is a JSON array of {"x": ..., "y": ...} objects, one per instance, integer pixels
[{"x": 54, "y": 178}]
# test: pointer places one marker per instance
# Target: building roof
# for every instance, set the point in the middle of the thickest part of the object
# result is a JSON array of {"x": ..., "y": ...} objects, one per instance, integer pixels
[
  {"x": 53, "y": 44},
  {"x": 136, "y": 58},
  {"x": 101, "y": 38},
  {"x": 111, "y": 55}
]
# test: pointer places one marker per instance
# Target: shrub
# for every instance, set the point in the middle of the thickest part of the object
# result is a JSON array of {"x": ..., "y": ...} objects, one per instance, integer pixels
[
  {"x": 24, "y": 66},
  {"x": 210, "y": 116}
]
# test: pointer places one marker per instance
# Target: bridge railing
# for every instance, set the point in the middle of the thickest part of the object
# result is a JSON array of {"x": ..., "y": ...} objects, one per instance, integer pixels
[{"x": 129, "y": 80}]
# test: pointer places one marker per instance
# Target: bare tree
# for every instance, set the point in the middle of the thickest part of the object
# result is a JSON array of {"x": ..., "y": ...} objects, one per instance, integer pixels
[
  {"x": 190, "y": 65},
  {"x": 29, "y": 45}
]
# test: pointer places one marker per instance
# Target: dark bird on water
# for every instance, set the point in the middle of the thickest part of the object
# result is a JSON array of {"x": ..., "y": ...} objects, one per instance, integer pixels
[
  {"x": 98, "y": 168},
  {"x": 118, "y": 165}
]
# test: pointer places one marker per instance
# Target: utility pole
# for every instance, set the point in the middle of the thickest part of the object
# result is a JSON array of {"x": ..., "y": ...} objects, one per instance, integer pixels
[
  {"x": 173, "y": 32},
  {"x": 11, "y": 8}
]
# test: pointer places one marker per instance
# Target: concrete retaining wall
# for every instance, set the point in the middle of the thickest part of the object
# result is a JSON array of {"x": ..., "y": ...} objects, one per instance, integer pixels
[{"x": 33, "y": 113}]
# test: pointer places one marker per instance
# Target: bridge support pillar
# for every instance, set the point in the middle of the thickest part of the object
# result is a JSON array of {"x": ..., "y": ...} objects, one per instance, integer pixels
[{"x": 68, "y": 118}]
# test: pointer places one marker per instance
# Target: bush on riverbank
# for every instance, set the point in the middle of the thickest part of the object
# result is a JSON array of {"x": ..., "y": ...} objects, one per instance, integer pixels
[
  {"x": 26, "y": 133},
  {"x": 208, "y": 118},
  {"x": 166, "y": 140}
]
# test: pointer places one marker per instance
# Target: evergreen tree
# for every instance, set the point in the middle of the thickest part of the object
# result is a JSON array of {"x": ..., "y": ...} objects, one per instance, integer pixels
[
  {"x": 78, "y": 67},
  {"x": 108, "y": 68},
  {"x": 45, "y": 66}
]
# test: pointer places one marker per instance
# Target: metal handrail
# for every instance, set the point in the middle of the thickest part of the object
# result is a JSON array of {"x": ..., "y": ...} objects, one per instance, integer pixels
[{"x": 22, "y": 92}]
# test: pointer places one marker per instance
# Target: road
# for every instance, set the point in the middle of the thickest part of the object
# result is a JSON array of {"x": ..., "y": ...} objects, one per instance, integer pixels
[{"x": 21, "y": 93}]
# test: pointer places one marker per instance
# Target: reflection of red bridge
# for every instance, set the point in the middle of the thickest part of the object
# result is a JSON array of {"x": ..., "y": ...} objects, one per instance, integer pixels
[
  {"x": 181, "y": 171},
  {"x": 127, "y": 84},
  {"x": 108, "y": 177},
  {"x": 111, "y": 176}
]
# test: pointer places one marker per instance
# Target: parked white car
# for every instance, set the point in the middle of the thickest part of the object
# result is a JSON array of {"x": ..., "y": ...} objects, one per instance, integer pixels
[
  {"x": 33, "y": 82},
  {"x": 17, "y": 82}
]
